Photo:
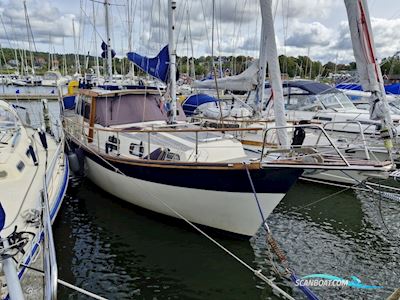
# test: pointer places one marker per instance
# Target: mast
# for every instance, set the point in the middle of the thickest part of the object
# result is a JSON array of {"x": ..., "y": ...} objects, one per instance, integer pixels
[
  {"x": 29, "y": 38},
  {"x": 191, "y": 48},
  {"x": 172, "y": 56},
  {"x": 262, "y": 69},
  {"x": 77, "y": 61},
  {"x": 109, "y": 58},
  {"x": 95, "y": 43},
  {"x": 274, "y": 70},
  {"x": 130, "y": 26},
  {"x": 368, "y": 67},
  {"x": 365, "y": 55}
]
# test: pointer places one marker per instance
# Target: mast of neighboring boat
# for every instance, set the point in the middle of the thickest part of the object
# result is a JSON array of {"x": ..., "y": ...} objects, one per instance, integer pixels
[
  {"x": 274, "y": 70},
  {"x": 109, "y": 58},
  {"x": 130, "y": 31},
  {"x": 262, "y": 69},
  {"x": 77, "y": 62},
  {"x": 172, "y": 56},
  {"x": 28, "y": 28},
  {"x": 368, "y": 68},
  {"x": 95, "y": 43}
]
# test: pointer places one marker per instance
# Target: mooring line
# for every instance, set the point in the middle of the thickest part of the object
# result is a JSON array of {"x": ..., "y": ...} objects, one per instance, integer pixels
[
  {"x": 68, "y": 285},
  {"x": 274, "y": 245},
  {"x": 255, "y": 272}
]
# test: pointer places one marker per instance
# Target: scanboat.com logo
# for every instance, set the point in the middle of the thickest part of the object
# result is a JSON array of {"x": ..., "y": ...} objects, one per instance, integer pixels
[{"x": 331, "y": 281}]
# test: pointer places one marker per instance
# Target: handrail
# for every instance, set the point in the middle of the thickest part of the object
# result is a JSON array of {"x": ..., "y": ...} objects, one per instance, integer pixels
[
  {"x": 49, "y": 252},
  {"x": 84, "y": 137},
  {"x": 166, "y": 129},
  {"x": 52, "y": 164},
  {"x": 303, "y": 126},
  {"x": 351, "y": 122},
  {"x": 76, "y": 130}
]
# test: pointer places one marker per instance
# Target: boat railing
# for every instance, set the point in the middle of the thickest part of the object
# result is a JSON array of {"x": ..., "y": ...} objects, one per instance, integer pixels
[
  {"x": 363, "y": 140},
  {"x": 89, "y": 135},
  {"x": 298, "y": 148},
  {"x": 49, "y": 252}
]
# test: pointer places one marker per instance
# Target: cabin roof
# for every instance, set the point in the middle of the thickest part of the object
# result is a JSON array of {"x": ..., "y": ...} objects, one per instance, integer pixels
[
  {"x": 312, "y": 87},
  {"x": 113, "y": 93}
]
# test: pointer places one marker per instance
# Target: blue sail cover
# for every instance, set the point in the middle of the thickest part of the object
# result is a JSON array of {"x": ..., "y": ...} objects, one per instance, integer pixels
[
  {"x": 156, "y": 66},
  {"x": 190, "y": 104}
]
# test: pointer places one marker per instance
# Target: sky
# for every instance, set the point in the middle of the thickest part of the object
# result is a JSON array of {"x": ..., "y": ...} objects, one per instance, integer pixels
[{"x": 317, "y": 28}]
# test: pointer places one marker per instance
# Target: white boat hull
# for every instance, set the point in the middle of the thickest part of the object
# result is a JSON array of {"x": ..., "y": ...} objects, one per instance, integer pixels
[{"x": 229, "y": 211}]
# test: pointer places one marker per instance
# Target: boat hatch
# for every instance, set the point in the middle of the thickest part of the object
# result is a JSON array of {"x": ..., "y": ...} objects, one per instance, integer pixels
[{"x": 7, "y": 120}]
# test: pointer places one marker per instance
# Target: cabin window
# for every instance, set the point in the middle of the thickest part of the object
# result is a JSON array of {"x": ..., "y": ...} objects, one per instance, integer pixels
[
  {"x": 112, "y": 144},
  {"x": 302, "y": 102},
  {"x": 20, "y": 166},
  {"x": 322, "y": 118},
  {"x": 172, "y": 156},
  {"x": 136, "y": 149}
]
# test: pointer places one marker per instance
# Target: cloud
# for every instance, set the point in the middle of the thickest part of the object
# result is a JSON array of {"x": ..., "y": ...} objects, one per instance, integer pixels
[
  {"x": 306, "y": 9},
  {"x": 45, "y": 19},
  {"x": 305, "y": 35},
  {"x": 386, "y": 37},
  {"x": 303, "y": 27}
]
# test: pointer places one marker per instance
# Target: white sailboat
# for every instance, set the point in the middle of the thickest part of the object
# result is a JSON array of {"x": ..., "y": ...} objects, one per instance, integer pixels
[
  {"x": 153, "y": 158},
  {"x": 144, "y": 153},
  {"x": 33, "y": 180},
  {"x": 317, "y": 103}
]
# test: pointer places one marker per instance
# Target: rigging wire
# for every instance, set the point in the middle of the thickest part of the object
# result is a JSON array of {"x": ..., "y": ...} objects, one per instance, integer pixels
[{"x": 274, "y": 245}]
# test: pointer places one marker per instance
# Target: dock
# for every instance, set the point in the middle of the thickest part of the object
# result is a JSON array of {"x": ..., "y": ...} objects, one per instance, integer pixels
[{"x": 24, "y": 97}]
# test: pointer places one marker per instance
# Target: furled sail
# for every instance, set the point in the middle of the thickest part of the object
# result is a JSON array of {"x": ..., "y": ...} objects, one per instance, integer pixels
[
  {"x": 245, "y": 81},
  {"x": 365, "y": 55},
  {"x": 274, "y": 70},
  {"x": 156, "y": 66}
]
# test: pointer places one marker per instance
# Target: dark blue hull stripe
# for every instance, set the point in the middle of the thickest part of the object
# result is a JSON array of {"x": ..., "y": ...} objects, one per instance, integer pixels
[{"x": 268, "y": 180}]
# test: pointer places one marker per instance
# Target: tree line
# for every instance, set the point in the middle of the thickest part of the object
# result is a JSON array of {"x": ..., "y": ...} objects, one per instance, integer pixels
[{"x": 300, "y": 66}]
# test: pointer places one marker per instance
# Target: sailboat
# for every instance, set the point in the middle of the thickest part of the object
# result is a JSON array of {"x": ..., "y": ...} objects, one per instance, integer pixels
[
  {"x": 337, "y": 117},
  {"x": 138, "y": 146},
  {"x": 144, "y": 153},
  {"x": 33, "y": 180}
]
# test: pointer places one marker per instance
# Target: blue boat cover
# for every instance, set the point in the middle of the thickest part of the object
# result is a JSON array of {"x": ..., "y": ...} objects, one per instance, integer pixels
[
  {"x": 193, "y": 101},
  {"x": 389, "y": 89},
  {"x": 349, "y": 86},
  {"x": 69, "y": 102},
  {"x": 393, "y": 89},
  {"x": 156, "y": 66}
]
